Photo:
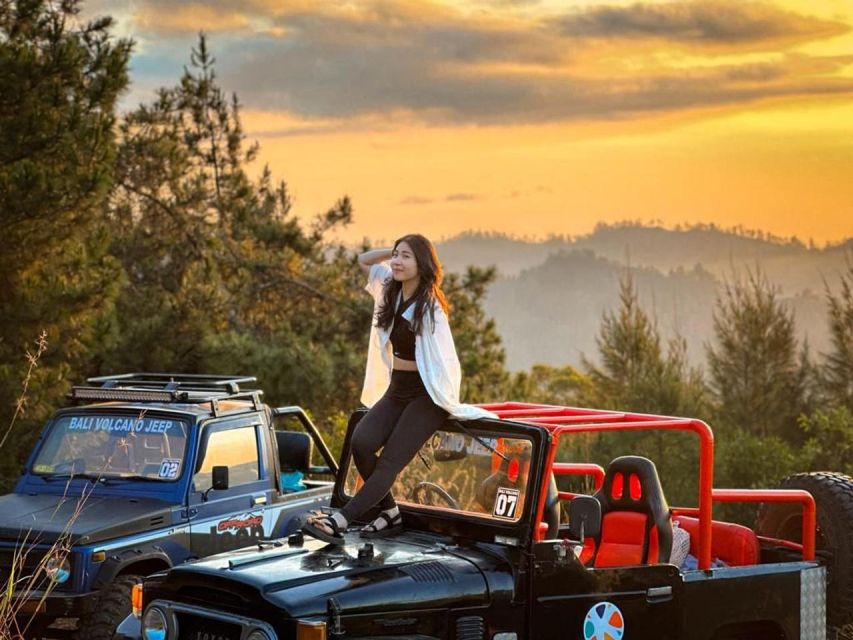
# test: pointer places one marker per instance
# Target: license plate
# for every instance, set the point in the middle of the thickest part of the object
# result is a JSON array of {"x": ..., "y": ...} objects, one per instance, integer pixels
[{"x": 192, "y": 627}]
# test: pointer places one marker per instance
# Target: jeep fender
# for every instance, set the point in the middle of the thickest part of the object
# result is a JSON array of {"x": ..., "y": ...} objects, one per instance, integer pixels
[{"x": 139, "y": 561}]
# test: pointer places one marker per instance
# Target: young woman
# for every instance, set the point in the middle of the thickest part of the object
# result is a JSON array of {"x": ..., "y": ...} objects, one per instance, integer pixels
[{"x": 411, "y": 384}]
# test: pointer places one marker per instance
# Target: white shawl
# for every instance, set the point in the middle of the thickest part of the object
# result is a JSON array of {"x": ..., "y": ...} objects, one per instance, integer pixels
[{"x": 435, "y": 354}]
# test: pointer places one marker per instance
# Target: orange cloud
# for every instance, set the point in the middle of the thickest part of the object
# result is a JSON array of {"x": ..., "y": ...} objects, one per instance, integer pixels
[{"x": 177, "y": 18}]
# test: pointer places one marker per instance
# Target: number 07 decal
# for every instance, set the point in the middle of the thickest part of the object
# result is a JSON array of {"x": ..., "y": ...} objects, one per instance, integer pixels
[{"x": 506, "y": 503}]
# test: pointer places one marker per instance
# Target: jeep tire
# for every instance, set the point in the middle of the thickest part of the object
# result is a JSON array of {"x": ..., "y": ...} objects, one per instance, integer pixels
[
  {"x": 112, "y": 607},
  {"x": 833, "y": 493}
]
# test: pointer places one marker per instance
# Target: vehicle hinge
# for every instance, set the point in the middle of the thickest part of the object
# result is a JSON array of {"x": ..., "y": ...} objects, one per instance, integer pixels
[
  {"x": 334, "y": 610},
  {"x": 186, "y": 514}
]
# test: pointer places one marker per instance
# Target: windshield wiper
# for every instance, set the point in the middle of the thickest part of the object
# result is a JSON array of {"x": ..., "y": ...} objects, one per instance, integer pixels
[
  {"x": 129, "y": 478},
  {"x": 485, "y": 444},
  {"x": 48, "y": 477}
]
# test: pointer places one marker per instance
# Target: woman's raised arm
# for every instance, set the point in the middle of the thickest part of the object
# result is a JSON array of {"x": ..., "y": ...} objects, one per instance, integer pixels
[{"x": 368, "y": 258}]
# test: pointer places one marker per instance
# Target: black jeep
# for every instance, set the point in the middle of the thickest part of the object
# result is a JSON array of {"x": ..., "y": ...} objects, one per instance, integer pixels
[{"x": 492, "y": 550}]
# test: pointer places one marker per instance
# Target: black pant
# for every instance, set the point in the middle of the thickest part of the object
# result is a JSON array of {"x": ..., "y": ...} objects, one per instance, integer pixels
[{"x": 399, "y": 423}]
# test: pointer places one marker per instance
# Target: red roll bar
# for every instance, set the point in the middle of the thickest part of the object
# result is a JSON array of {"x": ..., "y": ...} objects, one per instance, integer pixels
[{"x": 559, "y": 420}]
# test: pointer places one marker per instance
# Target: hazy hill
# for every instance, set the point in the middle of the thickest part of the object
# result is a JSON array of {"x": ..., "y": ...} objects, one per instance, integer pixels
[{"x": 550, "y": 296}]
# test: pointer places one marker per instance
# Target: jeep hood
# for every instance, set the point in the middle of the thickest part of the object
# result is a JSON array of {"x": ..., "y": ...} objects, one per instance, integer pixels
[
  {"x": 402, "y": 574},
  {"x": 44, "y": 518}
]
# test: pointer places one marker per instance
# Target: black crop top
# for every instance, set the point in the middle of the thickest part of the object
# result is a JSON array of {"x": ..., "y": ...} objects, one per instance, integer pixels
[{"x": 402, "y": 336}]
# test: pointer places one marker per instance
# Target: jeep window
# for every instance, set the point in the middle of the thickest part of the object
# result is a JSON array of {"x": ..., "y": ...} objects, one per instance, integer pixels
[
  {"x": 455, "y": 471},
  {"x": 114, "y": 446},
  {"x": 236, "y": 449}
]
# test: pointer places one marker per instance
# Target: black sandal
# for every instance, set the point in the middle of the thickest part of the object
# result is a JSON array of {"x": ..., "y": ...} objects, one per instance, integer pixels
[
  {"x": 336, "y": 537},
  {"x": 392, "y": 527}
]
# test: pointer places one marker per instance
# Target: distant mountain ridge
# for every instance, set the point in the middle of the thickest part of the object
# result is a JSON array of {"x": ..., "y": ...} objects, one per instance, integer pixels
[{"x": 550, "y": 295}]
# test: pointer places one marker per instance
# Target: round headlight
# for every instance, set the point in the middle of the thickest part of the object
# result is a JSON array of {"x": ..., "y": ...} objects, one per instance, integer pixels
[
  {"x": 154, "y": 625},
  {"x": 258, "y": 634},
  {"x": 58, "y": 569}
]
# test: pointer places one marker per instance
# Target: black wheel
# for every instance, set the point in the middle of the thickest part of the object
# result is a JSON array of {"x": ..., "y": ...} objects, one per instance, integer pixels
[
  {"x": 833, "y": 493},
  {"x": 429, "y": 493},
  {"x": 113, "y": 606}
]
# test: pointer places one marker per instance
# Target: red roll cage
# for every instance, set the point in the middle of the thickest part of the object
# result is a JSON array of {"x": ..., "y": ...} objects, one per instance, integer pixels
[{"x": 559, "y": 420}]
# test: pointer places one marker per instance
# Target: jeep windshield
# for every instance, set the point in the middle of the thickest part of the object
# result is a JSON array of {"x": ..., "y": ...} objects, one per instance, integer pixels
[
  {"x": 103, "y": 446},
  {"x": 470, "y": 473}
]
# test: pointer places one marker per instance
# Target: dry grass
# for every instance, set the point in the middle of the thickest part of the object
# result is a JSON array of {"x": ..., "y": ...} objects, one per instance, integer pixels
[{"x": 26, "y": 588}]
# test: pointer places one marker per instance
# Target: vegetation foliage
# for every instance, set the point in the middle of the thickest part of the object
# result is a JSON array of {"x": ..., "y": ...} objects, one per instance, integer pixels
[{"x": 142, "y": 241}]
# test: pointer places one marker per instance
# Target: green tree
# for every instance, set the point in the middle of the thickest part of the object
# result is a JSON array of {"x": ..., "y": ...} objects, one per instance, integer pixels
[
  {"x": 756, "y": 367},
  {"x": 837, "y": 369},
  {"x": 59, "y": 82},
  {"x": 220, "y": 272},
  {"x": 481, "y": 352},
  {"x": 637, "y": 375},
  {"x": 829, "y": 440},
  {"x": 564, "y": 386}
]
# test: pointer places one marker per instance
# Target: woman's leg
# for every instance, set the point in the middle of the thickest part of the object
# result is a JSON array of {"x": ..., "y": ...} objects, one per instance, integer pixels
[
  {"x": 370, "y": 434},
  {"x": 418, "y": 421}
]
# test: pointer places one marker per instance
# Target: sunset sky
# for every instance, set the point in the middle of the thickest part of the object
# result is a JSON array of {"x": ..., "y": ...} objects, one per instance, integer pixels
[{"x": 532, "y": 117}]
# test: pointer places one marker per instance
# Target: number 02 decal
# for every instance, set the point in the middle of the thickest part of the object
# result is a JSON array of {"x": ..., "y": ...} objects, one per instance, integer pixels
[
  {"x": 505, "y": 503},
  {"x": 169, "y": 468}
]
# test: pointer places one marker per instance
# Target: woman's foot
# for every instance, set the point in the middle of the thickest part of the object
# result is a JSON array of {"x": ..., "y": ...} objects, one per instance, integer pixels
[
  {"x": 387, "y": 523},
  {"x": 326, "y": 527}
]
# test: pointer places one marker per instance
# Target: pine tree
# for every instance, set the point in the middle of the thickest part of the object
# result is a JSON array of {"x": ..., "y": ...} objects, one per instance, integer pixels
[
  {"x": 220, "y": 272},
  {"x": 59, "y": 82},
  {"x": 755, "y": 364},
  {"x": 837, "y": 369},
  {"x": 480, "y": 349},
  {"x": 637, "y": 375}
]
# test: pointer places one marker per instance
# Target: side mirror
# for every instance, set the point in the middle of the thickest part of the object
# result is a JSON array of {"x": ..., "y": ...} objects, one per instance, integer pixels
[
  {"x": 220, "y": 478},
  {"x": 584, "y": 518}
]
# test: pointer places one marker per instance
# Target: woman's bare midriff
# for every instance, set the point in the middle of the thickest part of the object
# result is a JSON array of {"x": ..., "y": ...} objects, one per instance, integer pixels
[{"x": 405, "y": 365}]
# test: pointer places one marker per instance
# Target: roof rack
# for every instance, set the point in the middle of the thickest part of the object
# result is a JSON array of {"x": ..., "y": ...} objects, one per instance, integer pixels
[
  {"x": 167, "y": 387},
  {"x": 174, "y": 381}
]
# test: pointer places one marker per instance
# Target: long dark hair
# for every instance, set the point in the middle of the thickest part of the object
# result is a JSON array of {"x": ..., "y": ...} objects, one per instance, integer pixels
[{"x": 429, "y": 288}]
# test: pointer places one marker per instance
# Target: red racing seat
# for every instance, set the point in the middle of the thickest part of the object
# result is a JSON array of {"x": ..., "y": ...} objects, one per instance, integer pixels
[
  {"x": 636, "y": 527},
  {"x": 732, "y": 543}
]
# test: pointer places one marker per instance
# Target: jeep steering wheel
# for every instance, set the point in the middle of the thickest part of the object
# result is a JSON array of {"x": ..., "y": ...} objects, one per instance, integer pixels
[{"x": 428, "y": 492}]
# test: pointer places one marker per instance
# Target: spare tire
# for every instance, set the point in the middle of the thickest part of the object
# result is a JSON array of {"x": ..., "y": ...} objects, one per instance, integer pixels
[{"x": 833, "y": 493}]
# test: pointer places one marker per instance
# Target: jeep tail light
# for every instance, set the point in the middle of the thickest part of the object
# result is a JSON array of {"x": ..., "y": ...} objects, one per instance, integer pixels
[
  {"x": 310, "y": 630},
  {"x": 136, "y": 600}
]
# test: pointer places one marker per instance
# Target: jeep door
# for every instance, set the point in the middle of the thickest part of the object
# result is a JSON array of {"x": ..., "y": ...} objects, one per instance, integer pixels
[
  {"x": 223, "y": 519},
  {"x": 572, "y": 601}
]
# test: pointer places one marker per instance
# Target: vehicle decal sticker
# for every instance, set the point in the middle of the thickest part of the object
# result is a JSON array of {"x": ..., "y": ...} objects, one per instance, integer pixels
[
  {"x": 169, "y": 468},
  {"x": 448, "y": 442},
  {"x": 506, "y": 502},
  {"x": 244, "y": 522},
  {"x": 603, "y": 621},
  {"x": 120, "y": 424}
]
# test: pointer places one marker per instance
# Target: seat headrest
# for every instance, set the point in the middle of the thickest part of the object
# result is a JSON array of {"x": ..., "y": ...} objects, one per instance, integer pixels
[{"x": 631, "y": 483}]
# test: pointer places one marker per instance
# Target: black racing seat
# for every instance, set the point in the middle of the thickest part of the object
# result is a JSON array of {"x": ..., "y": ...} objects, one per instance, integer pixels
[
  {"x": 551, "y": 515},
  {"x": 636, "y": 526}
]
